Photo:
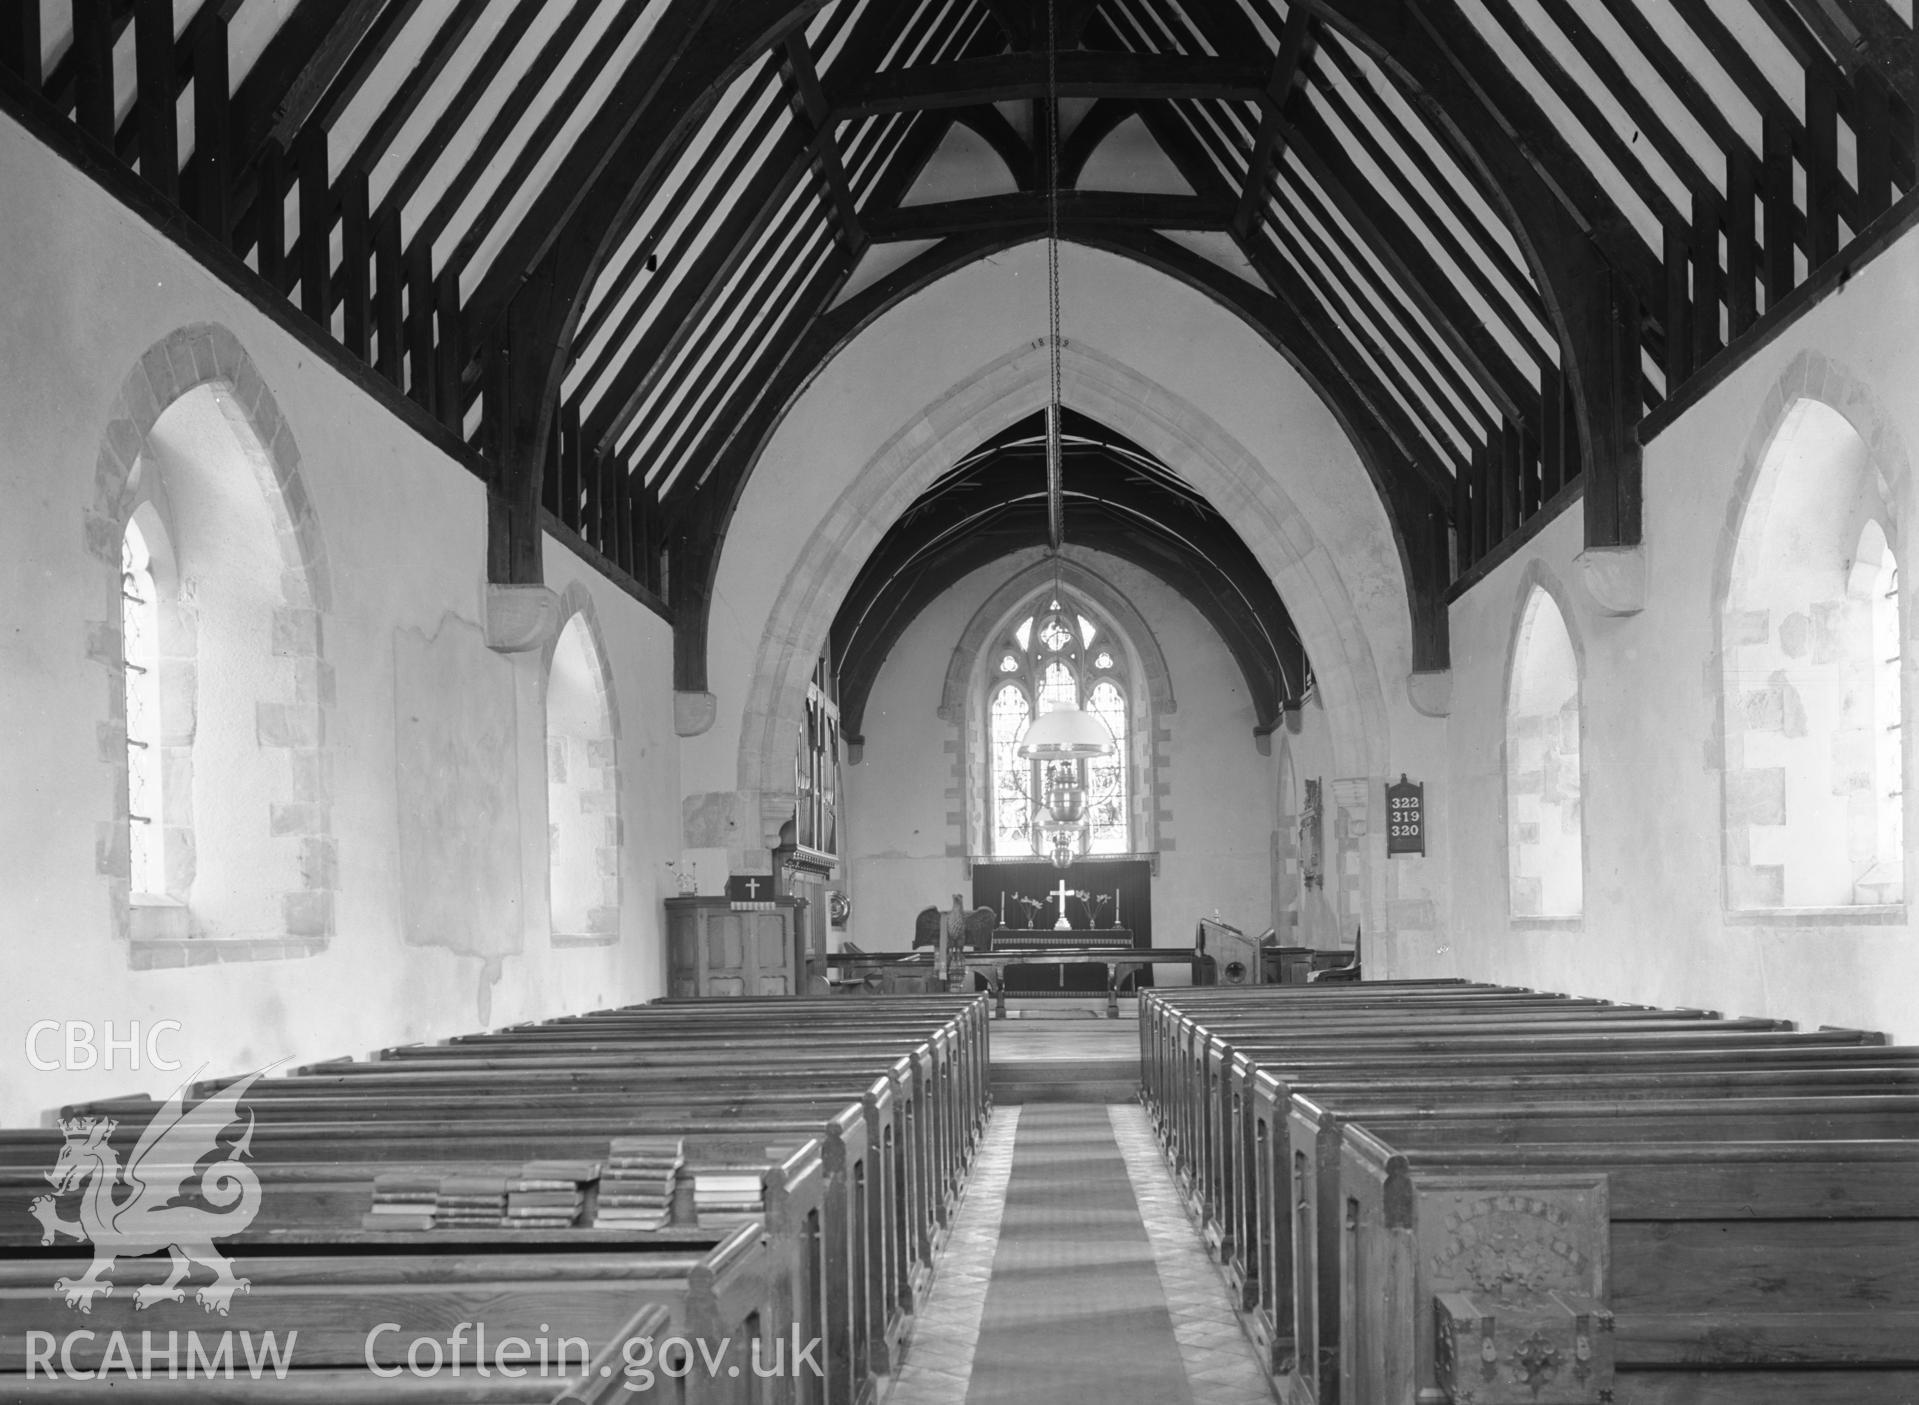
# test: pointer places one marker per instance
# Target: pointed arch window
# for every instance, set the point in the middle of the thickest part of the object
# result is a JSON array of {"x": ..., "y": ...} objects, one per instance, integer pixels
[
  {"x": 1057, "y": 656},
  {"x": 582, "y": 790},
  {"x": 1544, "y": 800},
  {"x": 1812, "y": 703}
]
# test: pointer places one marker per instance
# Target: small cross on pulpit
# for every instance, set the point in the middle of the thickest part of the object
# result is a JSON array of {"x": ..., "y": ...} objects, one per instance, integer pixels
[
  {"x": 753, "y": 888},
  {"x": 1062, "y": 894}
]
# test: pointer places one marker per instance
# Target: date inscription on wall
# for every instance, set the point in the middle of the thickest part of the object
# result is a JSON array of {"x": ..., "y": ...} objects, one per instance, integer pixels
[{"x": 1406, "y": 817}]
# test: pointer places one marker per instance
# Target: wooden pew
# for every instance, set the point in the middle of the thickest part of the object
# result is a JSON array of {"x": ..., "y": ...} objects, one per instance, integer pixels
[
  {"x": 344, "y": 1321},
  {"x": 1158, "y": 1009},
  {"x": 967, "y": 1017},
  {"x": 958, "y": 1021},
  {"x": 912, "y": 1188},
  {"x": 875, "y": 1278},
  {"x": 1829, "y": 1062},
  {"x": 502, "y": 1056},
  {"x": 1784, "y": 1263},
  {"x": 1181, "y": 1033},
  {"x": 947, "y": 1093},
  {"x": 308, "y": 1205},
  {"x": 1204, "y": 1118},
  {"x": 897, "y": 1228},
  {"x": 1261, "y": 1260},
  {"x": 830, "y": 1246},
  {"x": 1189, "y": 1120},
  {"x": 854, "y": 1349},
  {"x": 954, "y": 1068},
  {"x": 1216, "y": 1110},
  {"x": 1216, "y": 1124},
  {"x": 619, "y": 1034},
  {"x": 970, "y": 1015}
]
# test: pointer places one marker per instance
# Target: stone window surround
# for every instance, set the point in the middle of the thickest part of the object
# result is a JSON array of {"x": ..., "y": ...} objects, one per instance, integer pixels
[
  {"x": 159, "y": 936},
  {"x": 1030, "y": 683},
  {"x": 1811, "y": 375},
  {"x": 575, "y": 601},
  {"x": 970, "y": 677},
  {"x": 1538, "y": 579}
]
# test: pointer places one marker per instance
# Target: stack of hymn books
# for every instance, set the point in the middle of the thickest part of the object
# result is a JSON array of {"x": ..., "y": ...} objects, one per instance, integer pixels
[
  {"x": 539, "y": 1195},
  {"x": 636, "y": 1190},
  {"x": 725, "y": 1195},
  {"x": 402, "y": 1200},
  {"x": 470, "y": 1202},
  {"x": 549, "y": 1194}
]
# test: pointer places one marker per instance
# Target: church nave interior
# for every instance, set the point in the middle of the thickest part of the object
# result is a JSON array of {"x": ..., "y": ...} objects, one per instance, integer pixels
[{"x": 593, "y": 589}]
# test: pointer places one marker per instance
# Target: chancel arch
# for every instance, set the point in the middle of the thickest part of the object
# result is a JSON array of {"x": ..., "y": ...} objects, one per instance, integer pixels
[
  {"x": 199, "y": 502},
  {"x": 582, "y": 780},
  {"x": 1544, "y": 779},
  {"x": 1811, "y": 658},
  {"x": 984, "y": 402}
]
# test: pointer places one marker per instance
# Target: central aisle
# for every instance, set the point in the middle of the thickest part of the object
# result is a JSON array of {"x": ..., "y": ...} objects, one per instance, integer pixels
[
  {"x": 1072, "y": 1272},
  {"x": 1074, "y": 1313}
]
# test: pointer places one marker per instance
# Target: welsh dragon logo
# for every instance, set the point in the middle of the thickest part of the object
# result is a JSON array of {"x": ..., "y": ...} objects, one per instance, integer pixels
[{"x": 130, "y": 1211}]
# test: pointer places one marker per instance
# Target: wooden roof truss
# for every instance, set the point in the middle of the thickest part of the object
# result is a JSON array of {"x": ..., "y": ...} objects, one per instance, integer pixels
[{"x": 601, "y": 245}]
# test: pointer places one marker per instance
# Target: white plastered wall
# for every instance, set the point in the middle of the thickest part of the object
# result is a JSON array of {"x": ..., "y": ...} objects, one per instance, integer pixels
[
  {"x": 86, "y": 288},
  {"x": 1656, "y": 925}
]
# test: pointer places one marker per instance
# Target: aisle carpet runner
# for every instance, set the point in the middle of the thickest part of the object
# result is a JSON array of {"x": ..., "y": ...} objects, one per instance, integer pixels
[{"x": 1075, "y": 1314}]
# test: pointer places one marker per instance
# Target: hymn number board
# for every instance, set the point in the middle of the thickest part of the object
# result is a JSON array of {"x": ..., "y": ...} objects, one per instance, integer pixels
[{"x": 1406, "y": 817}]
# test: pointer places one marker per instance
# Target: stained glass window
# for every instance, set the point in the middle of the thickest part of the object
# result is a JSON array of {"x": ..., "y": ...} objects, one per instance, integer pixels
[
  {"x": 1039, "y": 665},
  {"x": 1008, "y": 716},
  {"x": 1058, "y": 687},
  {"x": 1106, "y": 776}
]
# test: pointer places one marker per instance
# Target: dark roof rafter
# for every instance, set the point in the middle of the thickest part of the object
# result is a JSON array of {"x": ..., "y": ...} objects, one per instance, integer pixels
[
  {"x": 991, "y": 124},
  {"x": 987, "y": 213},
  {"x": 1081, "y": 74},
  {"x": 1493, "y": 234},
  {"x": 1117, "y": 501}
]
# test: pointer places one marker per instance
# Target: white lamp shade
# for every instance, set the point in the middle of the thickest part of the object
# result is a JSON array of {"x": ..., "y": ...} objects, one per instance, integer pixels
[{"x": 1065, "y": 734}]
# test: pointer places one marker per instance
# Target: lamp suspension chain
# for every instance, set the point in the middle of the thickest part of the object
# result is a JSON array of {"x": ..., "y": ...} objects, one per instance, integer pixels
[{"x": 1055, "y": 472}]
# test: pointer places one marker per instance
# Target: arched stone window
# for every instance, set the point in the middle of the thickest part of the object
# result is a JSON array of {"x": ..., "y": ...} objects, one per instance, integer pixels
[
  {"x": 1544, "y": 822},
  {"x": 1001, "y": 673},
  {"x": 221, "y": 844},
  {"x": 1814, "y": 800},
  {"x": 582, "y": 787},
  {"x": 1060, "y": 650}
]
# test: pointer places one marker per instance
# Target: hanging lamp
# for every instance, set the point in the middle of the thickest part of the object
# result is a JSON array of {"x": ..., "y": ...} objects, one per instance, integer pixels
[{"x": 1063, "y": 739}]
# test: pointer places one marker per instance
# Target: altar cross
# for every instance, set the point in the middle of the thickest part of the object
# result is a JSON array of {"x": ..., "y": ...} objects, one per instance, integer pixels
[{"x": 1062, "y": 894}]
